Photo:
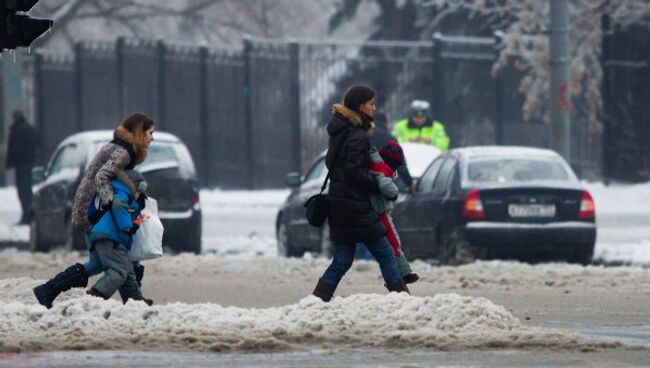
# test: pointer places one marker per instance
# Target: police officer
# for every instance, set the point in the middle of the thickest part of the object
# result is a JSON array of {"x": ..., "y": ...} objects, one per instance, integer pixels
[{"x": 421, "y": 128}]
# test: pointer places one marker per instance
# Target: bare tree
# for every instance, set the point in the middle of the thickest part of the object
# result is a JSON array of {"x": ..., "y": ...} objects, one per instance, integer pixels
[
  {"x": 523, "y": 25},
  {"x": 208, "y": 22}
]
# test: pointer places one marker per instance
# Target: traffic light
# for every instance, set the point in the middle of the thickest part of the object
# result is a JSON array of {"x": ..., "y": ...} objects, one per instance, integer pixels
[{"x": 17, "y": 28}]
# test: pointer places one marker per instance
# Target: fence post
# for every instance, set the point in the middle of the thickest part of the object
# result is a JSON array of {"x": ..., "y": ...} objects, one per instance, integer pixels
[
  {"x": 498, "y": 91},
  {"x": 606, "y": 159},
  {"x": 78, "y": 51},
  {"x": 439, "y": 92},
  {"x": 203, "y": 117},
  {"x": 296, "y": 135},
  {"x": 160, "y": 56},
  {"x": 248, "y": 113},
  {"x": 119, "y": 60}
]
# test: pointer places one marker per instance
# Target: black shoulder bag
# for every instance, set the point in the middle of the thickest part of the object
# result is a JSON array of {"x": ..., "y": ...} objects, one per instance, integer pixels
[{"x": 317, "y": 207}]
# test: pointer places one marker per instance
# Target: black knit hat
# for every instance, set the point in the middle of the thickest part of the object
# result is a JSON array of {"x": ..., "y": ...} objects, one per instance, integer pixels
[
  {"x": 357, "y": 95},
  {"x": 392, "y": 154}
]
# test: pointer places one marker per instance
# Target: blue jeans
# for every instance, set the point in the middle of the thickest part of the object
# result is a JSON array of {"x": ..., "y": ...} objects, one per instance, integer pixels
[{"x": 344, "y": 256}]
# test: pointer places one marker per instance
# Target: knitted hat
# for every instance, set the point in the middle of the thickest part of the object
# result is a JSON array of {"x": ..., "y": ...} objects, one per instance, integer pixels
[
  {"x": 357, "y": 95},
  {"x": 138, "y": 180},
  {"x": 392, "y": 154}
]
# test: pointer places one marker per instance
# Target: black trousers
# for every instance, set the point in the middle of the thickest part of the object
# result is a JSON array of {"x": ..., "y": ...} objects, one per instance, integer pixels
[{"x": 24, "y": 186}]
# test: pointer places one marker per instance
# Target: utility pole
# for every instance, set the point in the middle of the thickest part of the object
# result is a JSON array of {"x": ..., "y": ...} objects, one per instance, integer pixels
[{"x": 560, "y": 64}]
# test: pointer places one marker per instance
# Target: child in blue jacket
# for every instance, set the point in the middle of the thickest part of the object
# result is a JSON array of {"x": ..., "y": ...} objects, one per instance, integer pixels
[{"x": 110, "y": 241}]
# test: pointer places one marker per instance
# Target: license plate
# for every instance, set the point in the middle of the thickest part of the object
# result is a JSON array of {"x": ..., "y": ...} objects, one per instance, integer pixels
[{"x": 531, "y": 210}]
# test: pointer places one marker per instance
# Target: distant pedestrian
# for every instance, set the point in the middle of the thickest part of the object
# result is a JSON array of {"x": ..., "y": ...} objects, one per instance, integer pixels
[
  {"x": 351, "y": 218},
  {"x": 21, "y": 152}
]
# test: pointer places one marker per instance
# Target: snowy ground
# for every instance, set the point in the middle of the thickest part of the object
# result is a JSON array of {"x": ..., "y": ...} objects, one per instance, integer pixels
[{"x": 239, "y": 297}]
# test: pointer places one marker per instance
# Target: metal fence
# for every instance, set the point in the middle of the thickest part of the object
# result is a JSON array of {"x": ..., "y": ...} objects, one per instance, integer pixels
[
  {"x": 625, "y": 91},
  {"x": 251, "y": 115}
]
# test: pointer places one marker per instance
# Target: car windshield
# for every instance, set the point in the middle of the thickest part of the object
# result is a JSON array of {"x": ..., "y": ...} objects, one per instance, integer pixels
[{"x": 502, "y": 170}]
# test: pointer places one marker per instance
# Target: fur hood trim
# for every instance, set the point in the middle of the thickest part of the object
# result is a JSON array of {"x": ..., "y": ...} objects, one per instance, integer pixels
[
  {"x": 353, "y": 117},
  {"x": 139, "y": 148}
]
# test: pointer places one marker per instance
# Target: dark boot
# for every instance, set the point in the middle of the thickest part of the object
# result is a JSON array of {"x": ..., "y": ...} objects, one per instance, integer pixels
[
  {"x": 127, "y": 294},
  {"x": 411, "y": 277},
  {"x": 94, "y": 292},
  {"x": 324, "y": 290},
  {"x": 73, "y": 276},
  {"x": 398, "y": 287}
]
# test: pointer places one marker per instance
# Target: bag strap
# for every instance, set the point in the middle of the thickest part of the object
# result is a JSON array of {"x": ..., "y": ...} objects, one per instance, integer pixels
[{"x": 334, "y": 157}]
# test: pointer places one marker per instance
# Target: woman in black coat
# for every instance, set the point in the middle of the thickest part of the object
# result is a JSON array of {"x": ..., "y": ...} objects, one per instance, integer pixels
[{"x": 352, "y": 219}]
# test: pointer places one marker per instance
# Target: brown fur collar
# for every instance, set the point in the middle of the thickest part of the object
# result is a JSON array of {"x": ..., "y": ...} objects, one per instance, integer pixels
[
  {"x": 139, "y": 148},
  {"x": 352, "y": 116}
]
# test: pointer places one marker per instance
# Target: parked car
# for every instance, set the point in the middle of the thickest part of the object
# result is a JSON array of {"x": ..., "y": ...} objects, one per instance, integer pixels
[
  {"x": 294, "y": 235},
  {"x": 498, "y": 202},
  {"x": 168, "y": 169}
]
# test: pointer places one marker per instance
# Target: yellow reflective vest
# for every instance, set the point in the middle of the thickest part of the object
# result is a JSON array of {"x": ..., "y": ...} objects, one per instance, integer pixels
[{"x": 432, "y": 132}]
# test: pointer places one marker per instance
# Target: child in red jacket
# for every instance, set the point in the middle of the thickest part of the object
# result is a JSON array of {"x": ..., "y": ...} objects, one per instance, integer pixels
[{"x": 383, "y": 164}]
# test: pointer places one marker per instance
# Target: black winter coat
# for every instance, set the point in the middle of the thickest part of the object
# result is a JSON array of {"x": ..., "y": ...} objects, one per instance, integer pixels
[
  {"x": 352, "y": 218},
  {"x": 21, "y": 148}
]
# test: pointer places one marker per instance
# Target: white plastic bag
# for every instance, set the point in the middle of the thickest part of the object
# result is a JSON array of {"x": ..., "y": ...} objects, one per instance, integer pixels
[{"x": 147, "y": 241}]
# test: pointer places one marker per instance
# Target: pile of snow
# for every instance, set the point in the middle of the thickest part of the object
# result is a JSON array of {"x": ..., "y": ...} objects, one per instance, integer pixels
[{"x": 444, "y": 321}]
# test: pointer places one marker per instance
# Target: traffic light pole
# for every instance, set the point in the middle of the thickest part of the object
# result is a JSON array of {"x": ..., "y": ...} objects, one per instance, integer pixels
[{"x": 560, "y": 65}]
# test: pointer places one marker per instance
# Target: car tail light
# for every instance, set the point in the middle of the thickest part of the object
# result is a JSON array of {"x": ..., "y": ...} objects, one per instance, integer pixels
[
  {"x": 472, "y": 206},
  {"x": 196, "y": 205},
  {"x": 587, "y": 208}
]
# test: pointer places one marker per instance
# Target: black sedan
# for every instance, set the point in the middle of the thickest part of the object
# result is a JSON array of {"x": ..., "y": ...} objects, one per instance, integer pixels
[
  {"x": 498, "y": 203},
  {"x": 168, "y": 169},
  {"x": 294, "y": 235}
]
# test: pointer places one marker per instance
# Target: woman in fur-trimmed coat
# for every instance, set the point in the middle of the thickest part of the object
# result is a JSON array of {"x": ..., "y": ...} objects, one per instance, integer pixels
[
  {"x": 351, "y": 217},
  {"x": 128, "y": 148}
]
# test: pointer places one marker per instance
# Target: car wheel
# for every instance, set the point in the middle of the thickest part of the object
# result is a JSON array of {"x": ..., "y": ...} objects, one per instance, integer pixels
[
  {"x": 282, "y": 240},
  {"x": 455, "y": 250},
  {"x": 326, "y": 245},
  {"x": 194, "y": 241},
  {"x": 35, "y": 241},
  {"x": 74, "y": 239},
  {"x": 583, "y": 257},
  {"x": 285, "y": 248}
]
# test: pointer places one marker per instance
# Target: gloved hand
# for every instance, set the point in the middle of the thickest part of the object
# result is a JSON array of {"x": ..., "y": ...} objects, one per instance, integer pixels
[
  {"x": 141, "y": 200},
  {"x": 133, "y": 229}
]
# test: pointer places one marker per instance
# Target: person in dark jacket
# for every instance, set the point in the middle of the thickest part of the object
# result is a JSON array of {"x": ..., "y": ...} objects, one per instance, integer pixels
[
  {"x": 379, "y": 138},
  {"x": 351, "y": 218},
  {"x": 21, "y": 152}
]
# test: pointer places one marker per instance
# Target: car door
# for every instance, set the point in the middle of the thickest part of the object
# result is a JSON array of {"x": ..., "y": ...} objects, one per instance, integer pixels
[
  {"x": 54, "y": 196},
  {"x": 437, "y": 206},
  {"x": 411, "y": 215},
  {"x": 302, "y": 234}
]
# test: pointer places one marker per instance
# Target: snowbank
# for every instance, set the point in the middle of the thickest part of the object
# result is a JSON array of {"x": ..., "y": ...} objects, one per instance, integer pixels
[{"x": 444, "y": 321}]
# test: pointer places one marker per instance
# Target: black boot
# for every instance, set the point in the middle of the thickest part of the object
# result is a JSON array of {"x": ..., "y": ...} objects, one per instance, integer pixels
[
  {"x": 398, "y": 287},
  {"x": 126, "y": 293},
  {"x": 324, "y": 290},
  {"x": 410, "y": 277},
  {"x": 73, "y": 276}
]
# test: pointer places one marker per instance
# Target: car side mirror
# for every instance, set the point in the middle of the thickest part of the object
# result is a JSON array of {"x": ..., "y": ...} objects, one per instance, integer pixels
[
  {"x": 293, "y": 180},
  {"x": 38, "y": 174}
]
